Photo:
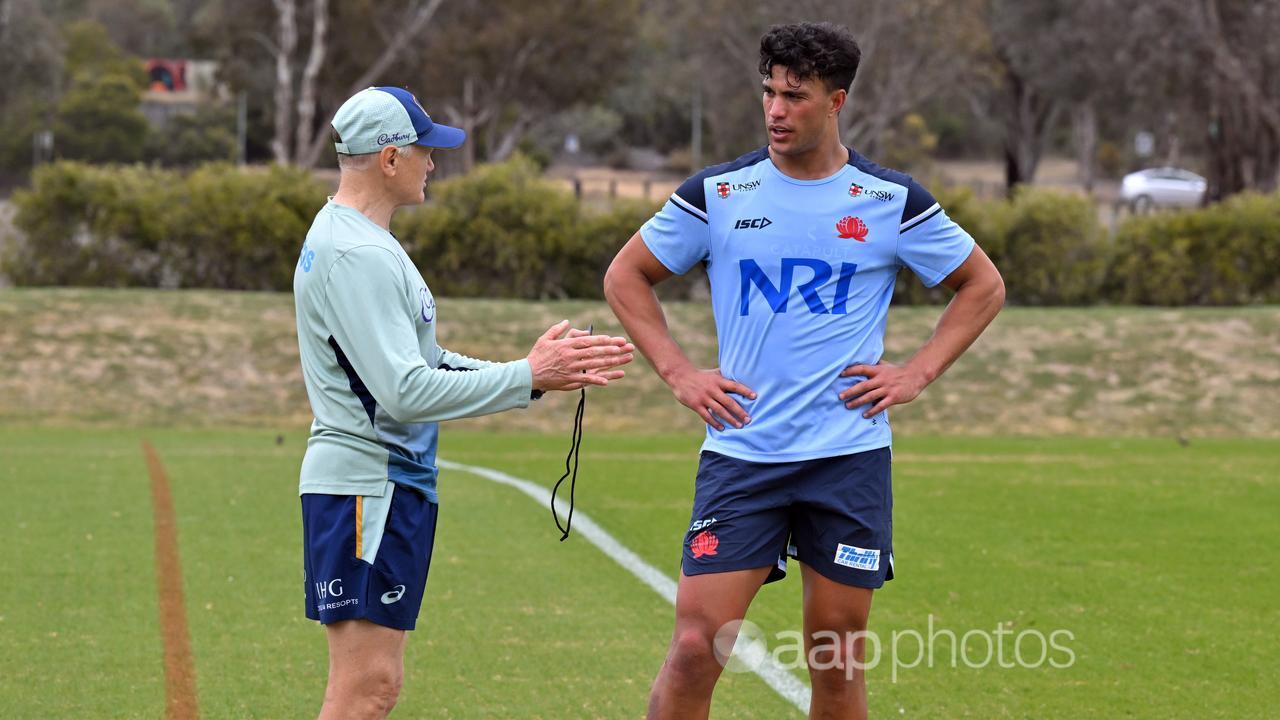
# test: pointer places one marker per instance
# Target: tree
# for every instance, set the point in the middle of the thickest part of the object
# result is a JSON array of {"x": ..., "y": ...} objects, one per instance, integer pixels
[
  {"x": 910, "y": 53},
  {"x": 99, "y": 117},
  {"x": 497, "y": 68},
  {"x": 99, "y": 120},
  {"x": 1244, "y": 92},
  {"x": 297, "y": 137},
  {"x": 30, "y": 74}
]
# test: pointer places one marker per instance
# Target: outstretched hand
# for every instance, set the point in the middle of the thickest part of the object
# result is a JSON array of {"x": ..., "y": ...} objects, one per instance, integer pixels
[
  {"x": 568, "y": 359},
  {"x": 885, "y": 384},
  {"x": 707, "y": 393}
]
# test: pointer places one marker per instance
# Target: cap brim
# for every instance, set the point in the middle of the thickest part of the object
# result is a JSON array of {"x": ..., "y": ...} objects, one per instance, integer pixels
[{"x": 443, "y": 136}]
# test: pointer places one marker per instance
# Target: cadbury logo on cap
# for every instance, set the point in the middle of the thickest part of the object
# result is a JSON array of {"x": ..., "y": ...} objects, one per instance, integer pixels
[{"x": 384, "y": 138}]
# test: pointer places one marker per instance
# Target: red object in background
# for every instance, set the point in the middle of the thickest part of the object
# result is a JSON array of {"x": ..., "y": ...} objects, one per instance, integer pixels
[{"x": 167, "y": 75}]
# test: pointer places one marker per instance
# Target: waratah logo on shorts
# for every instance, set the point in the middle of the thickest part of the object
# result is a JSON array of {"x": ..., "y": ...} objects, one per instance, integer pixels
[
  {"x": 704, "y": 543},
  {"x": 851, "y": 227}
]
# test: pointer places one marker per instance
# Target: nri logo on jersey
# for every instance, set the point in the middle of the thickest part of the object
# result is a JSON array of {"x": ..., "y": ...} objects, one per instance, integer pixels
[{"x": 778, "y": 296}]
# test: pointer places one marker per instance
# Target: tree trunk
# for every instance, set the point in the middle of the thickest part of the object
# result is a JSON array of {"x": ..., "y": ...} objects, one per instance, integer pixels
[
  {"x": 1085, "y": 123},
  {"x": 286, "y": 43},
  {"x": 1028, "y": 116},
  {"x": 306, "y": 130}
]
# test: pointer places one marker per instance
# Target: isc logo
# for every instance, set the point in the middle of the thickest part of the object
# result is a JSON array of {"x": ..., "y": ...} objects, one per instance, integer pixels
[
  {"x": 752, "y": 223},
  {"x": 777, "y": 295}
]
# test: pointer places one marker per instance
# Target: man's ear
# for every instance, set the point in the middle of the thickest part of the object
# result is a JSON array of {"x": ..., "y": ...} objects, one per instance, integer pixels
[
  {"x": 388, "y": 157},
  {"x": 838, "y": 99}
]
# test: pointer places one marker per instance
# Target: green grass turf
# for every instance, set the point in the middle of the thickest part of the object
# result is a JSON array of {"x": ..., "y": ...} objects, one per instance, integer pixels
[{"x": 1159, "y": 560}]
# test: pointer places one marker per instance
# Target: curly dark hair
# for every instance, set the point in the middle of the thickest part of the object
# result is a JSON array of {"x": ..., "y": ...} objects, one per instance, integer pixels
[{"x": 823, "y": 50}]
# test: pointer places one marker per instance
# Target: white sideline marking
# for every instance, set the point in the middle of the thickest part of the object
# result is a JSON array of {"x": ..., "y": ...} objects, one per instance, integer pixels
[{"x": 781, "y": 680}]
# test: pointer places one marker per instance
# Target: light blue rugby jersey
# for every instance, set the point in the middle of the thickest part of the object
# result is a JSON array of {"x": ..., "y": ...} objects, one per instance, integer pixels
[{"x": 801, "y": 273}]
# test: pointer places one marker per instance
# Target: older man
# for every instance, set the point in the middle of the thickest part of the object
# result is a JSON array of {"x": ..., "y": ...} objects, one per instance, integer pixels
[{"x": 378, "y": 385}]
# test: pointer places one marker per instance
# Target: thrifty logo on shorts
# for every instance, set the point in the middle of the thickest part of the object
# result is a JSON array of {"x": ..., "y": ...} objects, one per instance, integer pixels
[{"x": 857, "y": 558}]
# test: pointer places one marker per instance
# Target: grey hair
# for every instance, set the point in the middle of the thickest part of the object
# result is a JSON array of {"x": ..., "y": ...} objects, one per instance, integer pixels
[{"x": 356, "y": 163}]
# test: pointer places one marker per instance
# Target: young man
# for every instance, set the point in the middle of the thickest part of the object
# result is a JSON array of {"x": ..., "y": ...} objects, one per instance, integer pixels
[
  {"x": 802, "y": 240},
  {"x": 378, "y": 384}
]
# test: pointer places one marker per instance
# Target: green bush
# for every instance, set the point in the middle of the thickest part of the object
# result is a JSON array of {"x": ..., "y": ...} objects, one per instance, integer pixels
[
  {"x": 206, "y": 135},
  {"x": 1227, "y": 254},
  {"x": 1053, "y": 250},
  {"x": 118, "y": 226},
  {"x": 504, "y": 231},
  {"x": 1048, "y": 246},
  {"x": 242, "y": 228}
]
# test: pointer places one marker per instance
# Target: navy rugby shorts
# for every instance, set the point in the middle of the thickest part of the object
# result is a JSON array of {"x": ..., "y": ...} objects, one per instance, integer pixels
[
  {"x": 833, "y": 514},
  {"x": 366, "y": 557}
]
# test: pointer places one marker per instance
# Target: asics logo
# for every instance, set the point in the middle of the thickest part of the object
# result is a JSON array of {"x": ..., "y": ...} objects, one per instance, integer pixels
[{"x": 393, "y": 596}]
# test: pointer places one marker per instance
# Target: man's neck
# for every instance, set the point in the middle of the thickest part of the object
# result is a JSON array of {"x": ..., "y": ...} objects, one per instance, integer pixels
[
  {"x": 373, "y": 205},
  {"x": 822, "y": 161}
]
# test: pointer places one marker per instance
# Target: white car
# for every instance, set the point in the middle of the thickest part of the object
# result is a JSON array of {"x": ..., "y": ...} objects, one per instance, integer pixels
[{"x": 1162, "y": 187}]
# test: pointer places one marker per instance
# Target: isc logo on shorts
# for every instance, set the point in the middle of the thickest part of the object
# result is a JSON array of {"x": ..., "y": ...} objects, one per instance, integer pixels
[{"x": 857, "y": 558}]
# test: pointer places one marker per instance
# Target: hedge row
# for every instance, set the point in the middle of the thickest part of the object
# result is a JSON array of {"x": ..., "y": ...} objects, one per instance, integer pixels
[
  {"x": 1052, "y": 250},
  {"x": 135, "y": 226},
  {"x": 503, "y": 231}
]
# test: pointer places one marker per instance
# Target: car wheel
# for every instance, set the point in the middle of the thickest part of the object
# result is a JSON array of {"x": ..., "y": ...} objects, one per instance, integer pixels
[{"x": 1142, "y": 205}]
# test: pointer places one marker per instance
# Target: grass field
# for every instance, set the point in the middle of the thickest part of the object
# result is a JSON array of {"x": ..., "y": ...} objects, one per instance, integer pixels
[
  {"x": 1158, "y": 559},
  {"x": 1109, "y": 474}
]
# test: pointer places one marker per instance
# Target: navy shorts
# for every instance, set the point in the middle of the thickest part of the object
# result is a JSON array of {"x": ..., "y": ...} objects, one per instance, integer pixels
[
  {"x": 366, "y": 557},
  {"x": 833, "y": 514}
]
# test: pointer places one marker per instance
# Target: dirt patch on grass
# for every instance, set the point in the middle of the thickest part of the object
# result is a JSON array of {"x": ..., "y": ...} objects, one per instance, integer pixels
[{"x": 212, "y": 359}]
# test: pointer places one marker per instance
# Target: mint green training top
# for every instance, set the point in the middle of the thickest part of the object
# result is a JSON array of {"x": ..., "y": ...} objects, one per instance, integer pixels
[{"x": 377, "y": 380}]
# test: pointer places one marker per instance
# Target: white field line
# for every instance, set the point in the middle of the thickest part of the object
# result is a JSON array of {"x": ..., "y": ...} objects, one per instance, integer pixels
[{"x": 775, "y": 676}]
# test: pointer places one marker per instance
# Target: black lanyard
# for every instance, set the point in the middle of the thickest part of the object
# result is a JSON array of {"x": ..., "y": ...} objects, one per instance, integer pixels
[{"x": 571, "y": 461}]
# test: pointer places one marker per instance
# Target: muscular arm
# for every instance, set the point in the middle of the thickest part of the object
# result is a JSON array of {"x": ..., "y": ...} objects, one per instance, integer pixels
[
  {"x": 979, "y": 295},
  {"x": 628, "y": 286}
]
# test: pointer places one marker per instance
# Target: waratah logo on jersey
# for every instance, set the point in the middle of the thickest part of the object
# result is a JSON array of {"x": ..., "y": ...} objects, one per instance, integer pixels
[
  {"x": 722, "y": 189},
  {"x": 704, "y": 543},
  {"x": 852, "y": 227}
]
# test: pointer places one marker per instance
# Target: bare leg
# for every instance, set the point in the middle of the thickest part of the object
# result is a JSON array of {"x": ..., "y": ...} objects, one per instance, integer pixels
[
  {"x": 704, "y": 603},
  {"x": 836, "y": 613},
  {"x": 366, "y": 667}
]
